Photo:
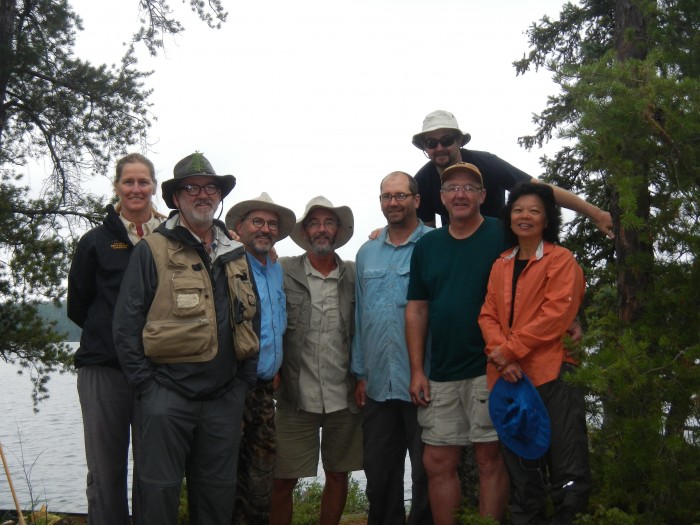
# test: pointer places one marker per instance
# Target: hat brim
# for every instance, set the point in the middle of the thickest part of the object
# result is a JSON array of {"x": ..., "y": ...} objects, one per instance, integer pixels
[
  {"x": 502, "y": 396},
  {"x": 419, "y": 143},
  {"x": 167, "y": 188},
  {"x": 287, "y": 218},
  {"x": 345, "y": 231}
]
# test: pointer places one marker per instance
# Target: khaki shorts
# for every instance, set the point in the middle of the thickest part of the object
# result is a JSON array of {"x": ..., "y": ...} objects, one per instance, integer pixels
[
  {"x": 299, "y": 440},
  {"x": 458, "y": 413}
]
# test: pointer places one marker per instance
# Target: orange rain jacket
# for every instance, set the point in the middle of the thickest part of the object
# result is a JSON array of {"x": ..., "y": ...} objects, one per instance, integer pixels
[{"x": 548, "y": 296}]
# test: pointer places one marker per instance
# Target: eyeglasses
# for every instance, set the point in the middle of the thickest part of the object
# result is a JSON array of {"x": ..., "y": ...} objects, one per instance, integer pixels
[
  {"x": 456, "y": 188},
  {"x": 315, "y": 224},
  {"x": 445, "y": 142},
  {"x": 259, "y": 223},
  {"x": 386, "y": 197},
  {"x": 194, "y": 189}
]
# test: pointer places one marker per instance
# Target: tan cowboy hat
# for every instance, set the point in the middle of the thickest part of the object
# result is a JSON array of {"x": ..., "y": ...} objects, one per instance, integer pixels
[
  {"x": 195, "y": 164},
  {"x": 264, "y": 202},
  {"x": 345, "y": 219},
  {"x": 439, "y": 119}
]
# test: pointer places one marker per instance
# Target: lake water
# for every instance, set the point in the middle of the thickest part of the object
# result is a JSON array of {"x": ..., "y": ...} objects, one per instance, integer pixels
[{"x": 46, "y": 451}]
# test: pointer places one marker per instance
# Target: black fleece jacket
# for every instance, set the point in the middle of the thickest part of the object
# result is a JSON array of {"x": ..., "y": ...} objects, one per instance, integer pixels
[{"x": 94, "y": 279}]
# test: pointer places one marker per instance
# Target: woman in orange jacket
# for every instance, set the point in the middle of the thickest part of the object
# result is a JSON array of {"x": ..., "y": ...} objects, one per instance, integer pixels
[{"x": 534, "y": 294}]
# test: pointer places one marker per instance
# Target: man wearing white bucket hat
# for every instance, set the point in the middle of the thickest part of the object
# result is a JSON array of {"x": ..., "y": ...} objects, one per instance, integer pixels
[
  {"x": 317, "y": 388},
  {"x": 260, "y": 223},
  {"x": 442, "y": 141}
]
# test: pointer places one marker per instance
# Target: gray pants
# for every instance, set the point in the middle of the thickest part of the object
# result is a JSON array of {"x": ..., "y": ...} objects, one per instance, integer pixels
[
  {"x": 198, "y": 440},
  {"x": 107, "y": 403}
]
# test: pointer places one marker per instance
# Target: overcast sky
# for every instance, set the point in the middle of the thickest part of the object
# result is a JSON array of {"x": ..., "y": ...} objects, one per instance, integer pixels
[{"x": 322, "y": 97}]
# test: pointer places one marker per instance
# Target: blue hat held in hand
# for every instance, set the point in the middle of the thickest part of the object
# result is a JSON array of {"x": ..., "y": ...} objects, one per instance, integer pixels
[{"x": 520, "y": 417}]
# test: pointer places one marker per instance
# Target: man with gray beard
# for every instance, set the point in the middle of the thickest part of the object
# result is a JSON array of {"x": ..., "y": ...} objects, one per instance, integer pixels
[{"x": 317, "y": 388}]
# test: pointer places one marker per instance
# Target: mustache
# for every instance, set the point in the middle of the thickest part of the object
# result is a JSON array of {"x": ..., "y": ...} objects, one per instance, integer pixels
[{"x": 321, "y": 235}]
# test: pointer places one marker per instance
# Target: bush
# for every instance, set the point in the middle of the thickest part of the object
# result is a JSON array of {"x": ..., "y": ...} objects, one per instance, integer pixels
[{"x": 307, "y": 501}]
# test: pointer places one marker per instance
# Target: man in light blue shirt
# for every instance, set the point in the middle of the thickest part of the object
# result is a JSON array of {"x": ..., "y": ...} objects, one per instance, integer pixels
[
  {"x": 380, "y": 359},
  {"x": 260, "y": 223}
]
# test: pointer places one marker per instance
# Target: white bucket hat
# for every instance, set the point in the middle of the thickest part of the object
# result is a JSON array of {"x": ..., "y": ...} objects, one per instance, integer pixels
[
  {"x": 264, "y": 202},
  {"x": 439, "y": 119},
  {"x": 345, "y": 219}
]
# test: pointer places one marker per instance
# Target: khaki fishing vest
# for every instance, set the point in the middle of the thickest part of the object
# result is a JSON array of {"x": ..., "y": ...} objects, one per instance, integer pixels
[{"x": 181, "y": 322}]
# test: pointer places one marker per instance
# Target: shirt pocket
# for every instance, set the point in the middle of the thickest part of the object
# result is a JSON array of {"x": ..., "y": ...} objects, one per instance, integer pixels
[{"x": 295, "y": 305}]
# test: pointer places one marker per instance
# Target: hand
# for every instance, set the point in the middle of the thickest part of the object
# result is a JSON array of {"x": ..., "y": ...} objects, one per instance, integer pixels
[
  {"x": 273, "y": 254},
  {"x": 497, "y": 358},
  {"x": 234, "y": 235},
  {"x": 276, "y": 381},
  {"x": 374, "y": 234},
  {"x": 361, "y": 393},
  {"x": 512, "y": 373},
  {"x": 575, "y": 332},
  {"x": 604, "y": 223},
  {"x": 420, "y": 390}
]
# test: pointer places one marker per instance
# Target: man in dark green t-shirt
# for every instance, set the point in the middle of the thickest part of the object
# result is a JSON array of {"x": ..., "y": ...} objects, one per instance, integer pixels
[{"x": 449, "y": 272}]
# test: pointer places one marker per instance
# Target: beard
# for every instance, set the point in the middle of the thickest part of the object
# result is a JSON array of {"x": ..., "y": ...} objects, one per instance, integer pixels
[
  {"x": 322, "y": 244},
  {"x": 201, "y": 216},
  {"x": 262, "y": 248}
]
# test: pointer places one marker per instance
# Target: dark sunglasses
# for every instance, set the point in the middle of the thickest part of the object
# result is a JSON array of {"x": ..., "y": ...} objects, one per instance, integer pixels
[{"x": 445, "y": 142}]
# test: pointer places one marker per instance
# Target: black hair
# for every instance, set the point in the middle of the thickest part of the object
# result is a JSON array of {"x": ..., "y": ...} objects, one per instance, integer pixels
[{"x": 551, "y": 209}]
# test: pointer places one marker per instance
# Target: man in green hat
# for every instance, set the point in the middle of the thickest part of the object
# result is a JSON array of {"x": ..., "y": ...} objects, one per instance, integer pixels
[{"x": 186, "y": 331}]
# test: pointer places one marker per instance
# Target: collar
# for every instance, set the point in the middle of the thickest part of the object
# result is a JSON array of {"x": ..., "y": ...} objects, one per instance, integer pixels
[{"x": 539, "y": 252}]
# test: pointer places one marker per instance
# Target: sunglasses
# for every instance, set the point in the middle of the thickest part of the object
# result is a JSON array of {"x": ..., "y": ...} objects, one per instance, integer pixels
[{"x": 445, "y": 142}]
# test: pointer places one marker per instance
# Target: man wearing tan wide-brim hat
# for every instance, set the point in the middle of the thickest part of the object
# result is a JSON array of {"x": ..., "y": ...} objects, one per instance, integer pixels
[
  {"x": 317, "y": 388},
  {"x": 443, "y": 143},
  {"x": 259, "y": 224}
]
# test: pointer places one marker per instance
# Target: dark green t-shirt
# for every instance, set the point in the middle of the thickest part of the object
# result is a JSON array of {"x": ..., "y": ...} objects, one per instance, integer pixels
[{"x": 452, "y": 275}]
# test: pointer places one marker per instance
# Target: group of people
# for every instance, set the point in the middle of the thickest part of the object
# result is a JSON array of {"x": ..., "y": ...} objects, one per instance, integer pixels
[{"x": 234, "y": 370}]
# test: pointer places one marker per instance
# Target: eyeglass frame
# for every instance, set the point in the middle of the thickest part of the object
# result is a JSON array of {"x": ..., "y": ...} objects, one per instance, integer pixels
[
  {"x": 328, "y": 224},
  {"x": 466, "y": 188},
  {"x": 272, "y": 225},
  {"x": 398, "y": 197},
  {"x": 188, "y": 188},
  {"x": 445, "y": 141}
]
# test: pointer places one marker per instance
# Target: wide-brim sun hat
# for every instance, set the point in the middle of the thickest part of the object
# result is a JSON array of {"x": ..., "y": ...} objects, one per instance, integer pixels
[
  {"x": 439, "y": 119},
  {"x": 190, "y": 166},
  {"x": 520, "y": 417},
  {"x": 345, "y": 217},
  {"x": 287, "y": 218}
]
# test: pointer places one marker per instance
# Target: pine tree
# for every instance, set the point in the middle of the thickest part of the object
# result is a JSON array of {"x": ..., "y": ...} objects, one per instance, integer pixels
[
  {"x": 77, "y": 118},
  {"x": 629, "y": 111}
]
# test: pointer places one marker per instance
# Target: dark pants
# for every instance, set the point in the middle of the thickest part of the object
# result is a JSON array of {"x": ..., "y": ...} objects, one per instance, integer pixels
[
  {"x": 194, "y": 439},
  {"x": 564, "y": 469},
  {"x": 107, "y": 403},
  {"x": 389, "y": 429},
  {"x": 256, "y": 459}
]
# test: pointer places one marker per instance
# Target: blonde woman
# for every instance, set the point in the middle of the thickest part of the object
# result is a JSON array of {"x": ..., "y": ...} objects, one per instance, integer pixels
[{"x": 93, "y": 285}]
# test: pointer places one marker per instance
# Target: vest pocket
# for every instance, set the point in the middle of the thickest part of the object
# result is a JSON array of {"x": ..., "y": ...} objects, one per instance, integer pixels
[
  {"x": 188, "y": 295},
  {"x": 170, "y": 340},
  {"x": 244, "y": 306}
]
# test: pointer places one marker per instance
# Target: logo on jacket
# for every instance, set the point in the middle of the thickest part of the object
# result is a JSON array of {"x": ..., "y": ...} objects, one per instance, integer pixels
[{"x": 118, "y": 245}]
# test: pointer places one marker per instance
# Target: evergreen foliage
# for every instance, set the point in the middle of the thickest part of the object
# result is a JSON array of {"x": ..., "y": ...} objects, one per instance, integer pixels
[
  {"x": 629, "y": 111},
  {"x": 76, "y": 118}
]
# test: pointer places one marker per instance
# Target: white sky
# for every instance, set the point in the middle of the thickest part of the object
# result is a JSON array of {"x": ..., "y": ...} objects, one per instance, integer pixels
[{"x": 322, "y": 97}]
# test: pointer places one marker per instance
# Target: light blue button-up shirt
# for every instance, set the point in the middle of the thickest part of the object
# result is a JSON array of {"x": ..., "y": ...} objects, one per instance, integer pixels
[
  {"x": 379, "y": 353},
  {"x": 273, "y": 315}
]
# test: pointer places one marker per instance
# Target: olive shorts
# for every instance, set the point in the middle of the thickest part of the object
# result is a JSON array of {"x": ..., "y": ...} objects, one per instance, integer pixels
[{"x": 299, "y": 441}]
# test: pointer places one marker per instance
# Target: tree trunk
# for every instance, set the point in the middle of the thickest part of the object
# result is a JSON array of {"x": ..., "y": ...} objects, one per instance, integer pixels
[{"x": 8, "y": 13}]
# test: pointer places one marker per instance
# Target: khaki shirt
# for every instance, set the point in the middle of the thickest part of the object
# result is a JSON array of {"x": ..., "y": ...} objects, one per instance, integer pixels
[{"x": 324, "y": 362}]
